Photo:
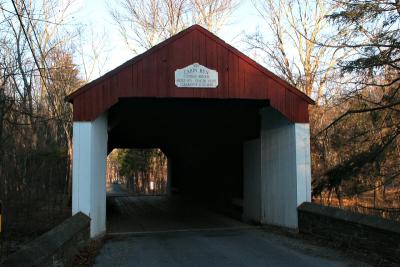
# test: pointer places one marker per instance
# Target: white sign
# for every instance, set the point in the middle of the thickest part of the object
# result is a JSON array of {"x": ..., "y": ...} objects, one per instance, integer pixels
[{"x": 197, "y": 76}]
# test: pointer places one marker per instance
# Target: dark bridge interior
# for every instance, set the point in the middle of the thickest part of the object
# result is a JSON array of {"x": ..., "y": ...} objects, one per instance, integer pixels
[{"x": 202, "y": 139}]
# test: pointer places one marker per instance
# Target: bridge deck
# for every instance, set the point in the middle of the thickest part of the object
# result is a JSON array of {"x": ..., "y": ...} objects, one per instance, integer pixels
[{"x": 127, "y": 214}]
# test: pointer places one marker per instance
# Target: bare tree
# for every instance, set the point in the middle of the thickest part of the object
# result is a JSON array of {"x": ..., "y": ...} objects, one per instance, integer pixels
[
  {"x": 213, "y": 14},
  {"x": 47, "y": 40},
  {"x": 36, "y": 72},
  {"x": 144, "y": 23},
  {"x": 91, "y": 48},
  {"x": 290, "y": 41}
]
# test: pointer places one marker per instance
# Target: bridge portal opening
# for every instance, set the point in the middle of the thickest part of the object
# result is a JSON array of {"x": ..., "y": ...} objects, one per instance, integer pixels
[
  {"x": 137, "y": 172},
  {"x": 201, "y": 138},
  {"x": 201, "y": 148}
]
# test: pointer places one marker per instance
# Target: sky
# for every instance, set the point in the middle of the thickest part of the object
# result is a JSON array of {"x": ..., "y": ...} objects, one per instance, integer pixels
[{"x": 94, "y": 14}]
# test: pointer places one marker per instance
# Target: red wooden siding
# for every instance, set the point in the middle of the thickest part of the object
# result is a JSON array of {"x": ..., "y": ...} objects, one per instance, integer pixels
[{"x": 152, "y": 75}]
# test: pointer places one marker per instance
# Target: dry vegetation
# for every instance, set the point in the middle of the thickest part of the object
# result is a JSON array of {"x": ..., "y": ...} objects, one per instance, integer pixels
[{"x": 36, "y": 72}]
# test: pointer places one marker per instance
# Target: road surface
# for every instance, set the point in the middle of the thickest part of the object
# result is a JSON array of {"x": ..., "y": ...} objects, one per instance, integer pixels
[{"x": 154, "y": 231}]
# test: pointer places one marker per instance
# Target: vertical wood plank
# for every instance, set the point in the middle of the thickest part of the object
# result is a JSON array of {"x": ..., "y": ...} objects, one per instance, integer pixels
[
  {"x": 146, "y": 77},
  {"x": 77, "y": 111},
  {"x": 233, "y": 76},
  {"x": 151, "y": 74},
  {"x": 108, "y": 85},
  {"x": 84, "y": 106},
  {"x": 222, "y": 55},
  {"x": 97, "y": 108},
  {"x": 202, "y": 49},
  {"x": 184, "y": 58},
  {"x": 160, "y": 74},
  {"x": 124, "y": 81},
  {"x": 241, "y": 77},
  {"x": 134, "y": 90},
  {"x": 212, "y": 63},
  {"x": 140, "y": 86},
  {"x": 114, "y": 89},
  {"x": 195, "y": 41},
  {"x": 203, "y": 92}
]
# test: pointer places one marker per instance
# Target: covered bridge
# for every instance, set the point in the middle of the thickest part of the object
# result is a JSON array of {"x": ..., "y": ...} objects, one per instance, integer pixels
[{"x": 230, "y": 128}]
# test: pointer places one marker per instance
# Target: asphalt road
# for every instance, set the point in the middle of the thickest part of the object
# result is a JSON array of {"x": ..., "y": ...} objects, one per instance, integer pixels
[
  {"x": 160, "y": 231},
  {"x": 232, "y": 247}
]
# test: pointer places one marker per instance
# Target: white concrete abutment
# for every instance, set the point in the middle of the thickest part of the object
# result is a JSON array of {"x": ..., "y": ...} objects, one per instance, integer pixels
[
  {"x": 277, "y": 171},
  {"x": 89, "y": 172}
]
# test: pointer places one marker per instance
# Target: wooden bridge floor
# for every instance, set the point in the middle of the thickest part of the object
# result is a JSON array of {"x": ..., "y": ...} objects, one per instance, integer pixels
[{"x": 135, "y": 214}]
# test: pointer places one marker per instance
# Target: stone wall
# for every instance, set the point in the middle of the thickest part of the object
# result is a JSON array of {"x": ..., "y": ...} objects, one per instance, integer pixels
[
  {"x": 371, "y": 234},
  {"x": 56, "y": 247}
]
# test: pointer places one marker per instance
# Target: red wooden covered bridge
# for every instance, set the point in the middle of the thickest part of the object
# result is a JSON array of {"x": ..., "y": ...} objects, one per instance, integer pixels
[{"x": 229, "y": 127}]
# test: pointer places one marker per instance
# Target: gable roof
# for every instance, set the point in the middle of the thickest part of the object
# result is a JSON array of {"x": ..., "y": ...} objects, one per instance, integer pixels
[{"x": 239, "y": 75}]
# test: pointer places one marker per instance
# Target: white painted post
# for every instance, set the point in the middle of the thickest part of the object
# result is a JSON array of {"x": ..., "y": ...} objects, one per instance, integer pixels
[
  {"x": 89, "y": 172},
  {"x": 285, "y": 168}
]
